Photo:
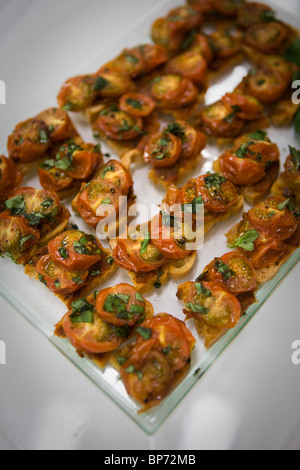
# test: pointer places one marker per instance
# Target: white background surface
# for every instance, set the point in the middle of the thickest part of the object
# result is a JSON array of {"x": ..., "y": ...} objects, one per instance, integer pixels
[{"x": 248, "y": 399}]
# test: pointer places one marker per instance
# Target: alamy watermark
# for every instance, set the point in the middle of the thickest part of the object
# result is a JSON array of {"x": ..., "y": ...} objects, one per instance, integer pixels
[
  {"x": 296, "y": 353},
  {"x": 296, "y": 94},
  {"x": 2, "y": 353},
  {"x": 2, "y": 92}
]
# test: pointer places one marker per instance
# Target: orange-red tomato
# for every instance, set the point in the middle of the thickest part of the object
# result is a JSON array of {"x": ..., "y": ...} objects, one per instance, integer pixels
[
  {"x": 75, "y": 250},
  {"x": 153, "y": 55},
  {"x": 58, "y": 279},
  {"x": 251, "y": 13},
  {"x": 10, "y": 177},
  {"x": 192, "y": 141},
  {"x": 117, "y": 124},
  {"x": 53, "y": 179},
  {"x": 228, "y": 7},
  {"x": 59, "y": 125},
  {"x": 95, "y": 194},
  {"x": 78, "y": 161},
  {"x": 138, "y": 255},
  {"x": 162, "y": 150},
  {"x": 78, "y": 93},
  {"x": 129, "y": 63},
  {"x": 189, "y": 65},
  {"x": 137, "y": 104},
  {"x": 220, "y": 122},
  {"x": 257, "y": 146},
  {"x": 86, "y": 330},
  {"x": 202, "y": 46},
  {"x": 292, "y": 170},
  {"x": 225, "y": 44},
  {"x": 111, "y": 84},
  {"x": 213, "y": 304},
  {"x": 267, "y": 85},
  {"x": 16, "y": 236},
  {"x": 173, "y": 91},
  {"x": 266, "y": 37},
  {"x": 114, "y": 172},
  {"x": 273, "y": 218},
  {"x": 203, "y": 6},
  {"x": 218, "y": 194},
  {"x": 268, "y": 252},
  {"x": 29, "y": 141},
  {"x": 280, "y": 65},
  {"x": 241, "y": 171},
  {"x": 172, "y": 338},
  {"x": 233, "y": 270},
  {"x": 164, "y": 237},
  {"x": 183, "y": 19},
  {"x": 120, "y": 305},
  {"x": 247, "y": 107}
]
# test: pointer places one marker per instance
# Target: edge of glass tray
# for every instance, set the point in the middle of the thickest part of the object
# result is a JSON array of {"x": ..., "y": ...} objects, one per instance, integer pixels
[{"x": 150, "y": 421}]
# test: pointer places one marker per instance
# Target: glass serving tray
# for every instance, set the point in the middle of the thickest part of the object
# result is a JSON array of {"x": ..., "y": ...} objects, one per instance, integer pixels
[{"x": 43, "y": 309}]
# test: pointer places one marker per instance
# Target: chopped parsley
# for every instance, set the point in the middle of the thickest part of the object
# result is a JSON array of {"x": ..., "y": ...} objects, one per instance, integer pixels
[
  {"x": 136, "y": 104},
  {"x": 214, "y": 181}
]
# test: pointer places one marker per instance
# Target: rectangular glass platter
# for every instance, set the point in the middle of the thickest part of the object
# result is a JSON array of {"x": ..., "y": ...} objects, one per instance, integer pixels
[{"x": 43, "y": 309}]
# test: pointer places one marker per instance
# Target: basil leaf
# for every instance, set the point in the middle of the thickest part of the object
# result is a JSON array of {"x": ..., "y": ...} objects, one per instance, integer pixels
[
  {"x": 63, "y": 253},
  {"x": 177, "y": 130},
  {"x": 146, "y": 333},
  {"x": 202, "y": 290},
  {"x": 295, "y": 154},
  {"x": 137, "y": 309},
  {"x": 223, "y": 269},
  {"x": 25, "y": 239},
  {"x": 15, "y": 205},
  {"x": 136, "y": 104},
  {"x": 144, "y": 244},
  {"x": 139, "y": 297},
  {"x": 100, "y": 83},
  {"x": 214, "y": 181},
  {"x": 246, "y": 241},
  {"x": 258, "y": 135},
  {"x": 283, "y": 205},
  {"x": 196, "y": 308},
  {"x": 85, "y": 316}
]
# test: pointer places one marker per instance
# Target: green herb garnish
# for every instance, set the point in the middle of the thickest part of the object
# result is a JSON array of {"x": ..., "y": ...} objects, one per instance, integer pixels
[
  {"x": 246, "y": 241},
  {"x": 146, "y": 333}
]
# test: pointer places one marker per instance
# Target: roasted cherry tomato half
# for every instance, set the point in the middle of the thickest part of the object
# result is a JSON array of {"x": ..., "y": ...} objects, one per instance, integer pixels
[
  {"x": 220, "y": 122},
  {"x": 267, "y": 85},
  {"x": 183, "y": 19},
  {"x": 173, "y": 339},
  {"x": 201, "y": 45},
  {"x": 170, "y": 237},
  {"x": 115, "y": 173},
  {"x": 10, "y": 177},
  {"x": 268, "y": 253},
  {"x": 121, "y": 305},
  {"x": 147, "y": 375},
  {"x": 192, "y": 141},
  {"x": 95, "y": 194},
  {"x": 241, "y": 171},
  {"x": 173, "y": 91},
  {"x": 228, "y": 7},
  {"x": 29, "y": 141},
  {"x": 78, "y": 93},
  {"x": 279, "y": 65},
  {"x": 247, "y": 107},
  {"x": 203, "y": 6},
  {"x": 273, "y": 218},
  {"x": 78, "y": 161},
  {"x": 162, "y": 150},
  {"x": 153, "y": 55},
  {"x": 129, "y": 63},
  {"x": 267, "y": 37},
  {"x": 117, "y": 124},
  {"x": 233, "y": 270},
  {"x": 257, "y": 146},
  {"x": 38, "y": 206},
  {"x": 161, "y": 35},
  {"x": 58, "y": 279},
  {"x": 251, "y": 13},
  {"x": 59, "y": 125},
  {"x": 218, "y": 194},
  {"x": 225, "y": 44},
  {"x": 16, "y": 236},
  {"x": 137, "y": 104},
  {"x": 75, "y": 250},
  {"x": 53, "y": 179},
  {"x": 138, "y": 255},
  {"x": 111, "y": 84},
  {"x": 292, "y": 170},
  {"x": 189, "y": 65},
  {"x": 211, "y": 303},
  {"x": 86, "y": 330}
]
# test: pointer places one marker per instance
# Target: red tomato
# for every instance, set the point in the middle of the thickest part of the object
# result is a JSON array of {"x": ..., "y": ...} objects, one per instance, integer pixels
[
  {"x": 267, "y": 85},
  {"x": 172, "y": 195},
  {"x": 58, "y": 279},
  {"x": 272, "y": 219},
  {"x": 153, "y": 55},
  {"x": 292, "y": 172},
  {"x": 79, "y": 161},
  {"x": 251, "y": 13},
  {"x": 202, "y": 46},
  {"x": 29, "y": 141},
  {"x": 147, "y": 375},
  {"x": 75, "y": 250},
  {"x": 268, "y": 253},
  {"x": 233, "y": 270},
  {"x": 89, "y": 335},
  {"x": 111, "y": 84},
  {"x": 93, "y": 195},
  {"x": 16, "y": 236},
  {"x": 280, "y": 65},
  {"x": 247, "y": 106},
  {"x": 218, "y": 194},
  {"x": 213, "y": 304},
  {"x": 257, "y": 147},
  {"x": 173, "y": 91},
  {"x": 221, "y": 123},
  {"x": 115, "y": 173},
  {"x": 78, "y": 93},
  {"x": 173, "y": 339},
  {"x": 117, "y": 124},
  {"x": 138, "y": 255},
  {"x": 183, "y": 19},
  {"x": 228, "y": 8},
  {"x": 58, "y": 123},
  {"x": 241, "y": 171},
  {"x": 129, "y": 63},
  {"x": 226, "y": 44},
  {"x": 266, "y": 37},
  {"x": 192, "y": 142},
  {"x": 189, "y": 65},
  {"x": 10, "y": 177},
  {"x": 53, "y": 179},
  {"x": 120, "y": 305},
  {"x": 164, "y": 238},
  {"x": 203, "y": 6},
  {"x": 137, "y": 104},
  {"x": 162, "y": 150}
]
